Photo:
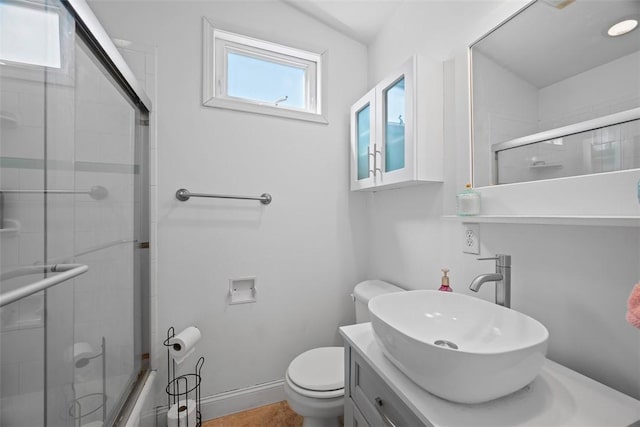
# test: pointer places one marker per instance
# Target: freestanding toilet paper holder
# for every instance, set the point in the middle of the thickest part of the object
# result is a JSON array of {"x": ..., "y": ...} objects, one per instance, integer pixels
[{"x": 181, "y": 388}]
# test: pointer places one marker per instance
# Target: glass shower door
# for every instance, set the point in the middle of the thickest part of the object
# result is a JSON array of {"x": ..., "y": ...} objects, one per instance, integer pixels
[
  {"x": 36, "y": 39},
  {"x": 22, "y": 237},
  {"x": 105, "y": 238},
  {"x": 72, "y": 191}
]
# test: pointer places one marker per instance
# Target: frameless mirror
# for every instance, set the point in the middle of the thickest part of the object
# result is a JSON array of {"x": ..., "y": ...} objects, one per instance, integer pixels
[{"x": 556, "y": 93}]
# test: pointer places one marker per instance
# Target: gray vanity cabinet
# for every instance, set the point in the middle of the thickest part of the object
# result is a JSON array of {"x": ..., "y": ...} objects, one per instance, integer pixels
[
  {"x": 369, "y": 401},
  {"x": 558, "y": 397}
]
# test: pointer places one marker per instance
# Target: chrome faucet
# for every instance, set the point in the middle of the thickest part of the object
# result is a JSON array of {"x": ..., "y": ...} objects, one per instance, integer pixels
[{"x": 502, "y": 277}]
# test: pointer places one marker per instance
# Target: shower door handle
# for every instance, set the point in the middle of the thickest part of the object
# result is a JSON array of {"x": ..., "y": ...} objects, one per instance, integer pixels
[{"x": 67, "y": 271}]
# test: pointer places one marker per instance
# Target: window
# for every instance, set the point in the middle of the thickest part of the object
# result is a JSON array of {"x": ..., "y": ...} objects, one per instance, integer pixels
[
  {"x": 29, "y": 35},
  {"x": 247, "y": 74}
]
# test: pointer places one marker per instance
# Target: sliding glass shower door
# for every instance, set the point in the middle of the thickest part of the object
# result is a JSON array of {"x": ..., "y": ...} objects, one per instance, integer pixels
[{"x": 73, "y": 193}]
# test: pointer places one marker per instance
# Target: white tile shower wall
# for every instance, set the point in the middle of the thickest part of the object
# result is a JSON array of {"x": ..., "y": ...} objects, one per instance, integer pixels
[
  {"x": 603, "y": 90},
  {"x": 21, "y": 323},
  {"x": 506, "y": 107},
  {"x": 574, "y": 279},
  {"x": 307, "y": 248}
]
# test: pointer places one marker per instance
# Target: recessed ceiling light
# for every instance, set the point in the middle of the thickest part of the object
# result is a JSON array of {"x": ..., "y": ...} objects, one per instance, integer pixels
[{"x": 622, "y": 27}]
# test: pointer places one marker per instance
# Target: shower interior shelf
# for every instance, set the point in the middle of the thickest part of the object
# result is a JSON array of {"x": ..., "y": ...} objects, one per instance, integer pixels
[
  {"x": 587, "y": 125},
  {"x": 588, "y": 220},
  {"x": 9, "y": 226}
]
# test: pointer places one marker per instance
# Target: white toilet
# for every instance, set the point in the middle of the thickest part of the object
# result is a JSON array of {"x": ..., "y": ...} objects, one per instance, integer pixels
[{"x": 314, "y": 381}]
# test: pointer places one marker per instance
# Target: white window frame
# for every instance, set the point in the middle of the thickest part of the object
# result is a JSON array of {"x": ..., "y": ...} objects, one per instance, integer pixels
[{"x": 216, "y": 46}]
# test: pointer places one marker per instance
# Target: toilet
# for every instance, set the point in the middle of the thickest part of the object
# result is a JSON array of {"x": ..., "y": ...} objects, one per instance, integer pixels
[{"x": 314, "y": 381}]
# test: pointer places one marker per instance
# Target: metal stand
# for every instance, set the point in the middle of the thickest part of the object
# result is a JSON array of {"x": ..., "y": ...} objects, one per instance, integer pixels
[{"x": 181, "y": 387}]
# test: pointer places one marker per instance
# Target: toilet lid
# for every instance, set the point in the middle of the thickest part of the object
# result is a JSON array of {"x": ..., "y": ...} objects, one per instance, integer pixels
[{"x": 320, "y": 369}]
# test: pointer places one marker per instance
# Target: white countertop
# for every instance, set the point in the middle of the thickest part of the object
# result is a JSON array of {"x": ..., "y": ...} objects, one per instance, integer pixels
[{"x": 557, "y": 397}]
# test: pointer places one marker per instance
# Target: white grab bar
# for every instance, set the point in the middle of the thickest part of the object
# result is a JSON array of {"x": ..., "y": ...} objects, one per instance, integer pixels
[{"x": 67, "y": 271}]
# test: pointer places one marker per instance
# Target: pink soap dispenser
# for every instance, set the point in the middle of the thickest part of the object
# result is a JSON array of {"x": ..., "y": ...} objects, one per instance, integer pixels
[{"x": 445, "y": 282}]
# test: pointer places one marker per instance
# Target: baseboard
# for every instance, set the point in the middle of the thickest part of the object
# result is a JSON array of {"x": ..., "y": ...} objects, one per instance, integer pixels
[
  {"x": 239, "y": 400},
  {"x": 230, "y": 402}
]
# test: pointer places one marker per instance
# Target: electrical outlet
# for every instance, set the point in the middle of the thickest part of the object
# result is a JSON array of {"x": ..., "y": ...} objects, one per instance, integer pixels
[{"x": 471, "y": 242}]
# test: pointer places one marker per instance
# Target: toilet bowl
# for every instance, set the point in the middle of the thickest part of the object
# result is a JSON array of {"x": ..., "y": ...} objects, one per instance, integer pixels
[
  {"x": 314, "y": 386},
  {"x": 314, "y": 381}
]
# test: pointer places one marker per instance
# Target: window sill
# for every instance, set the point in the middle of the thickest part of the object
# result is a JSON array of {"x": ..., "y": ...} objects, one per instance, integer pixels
[
  {"x": 230, "y": 104},
  {"x": 587, "y": 220}
]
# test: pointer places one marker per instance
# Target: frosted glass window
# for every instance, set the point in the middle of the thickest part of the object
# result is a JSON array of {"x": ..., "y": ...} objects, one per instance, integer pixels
[
  {"x": 394, "y": 126},
  {"x": 364, "y": 139},
  {"x": 29, "y": 35},
  {"x": 257, "y": 79}
]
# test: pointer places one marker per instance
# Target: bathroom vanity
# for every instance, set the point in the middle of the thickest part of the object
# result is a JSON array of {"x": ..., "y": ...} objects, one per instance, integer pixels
[{"x": 378, "y": 394}]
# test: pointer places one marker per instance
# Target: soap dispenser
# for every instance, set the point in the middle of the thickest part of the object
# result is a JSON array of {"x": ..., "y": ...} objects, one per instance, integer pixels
[
  {"x": 468, "y": 202},
  {"x": 445, "y": 282}
]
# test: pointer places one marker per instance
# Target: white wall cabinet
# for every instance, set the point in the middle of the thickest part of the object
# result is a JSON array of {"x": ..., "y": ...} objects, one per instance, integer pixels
[{"x": 397, "y": 129}]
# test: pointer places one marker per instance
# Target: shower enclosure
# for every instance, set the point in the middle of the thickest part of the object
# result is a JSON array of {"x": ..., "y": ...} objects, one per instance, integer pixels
[{"x": 73, "y": 222}]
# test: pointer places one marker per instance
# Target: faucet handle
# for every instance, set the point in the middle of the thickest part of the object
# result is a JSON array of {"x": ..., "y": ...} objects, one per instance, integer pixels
[{"x": 500, "y": 259}]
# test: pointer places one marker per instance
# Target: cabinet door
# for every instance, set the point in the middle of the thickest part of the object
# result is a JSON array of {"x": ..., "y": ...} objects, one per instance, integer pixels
[
  {"x": 363, "y": 142},
  {"x": 378, "y": 404},
  {"x": 356, "y": 419},
  {"x": 396, "y": 99}
]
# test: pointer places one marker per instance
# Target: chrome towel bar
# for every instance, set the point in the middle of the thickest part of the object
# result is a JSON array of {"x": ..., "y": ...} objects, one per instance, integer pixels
[
  {"x": 67, "y": 271},
  {"x": 183, "y": 195}
]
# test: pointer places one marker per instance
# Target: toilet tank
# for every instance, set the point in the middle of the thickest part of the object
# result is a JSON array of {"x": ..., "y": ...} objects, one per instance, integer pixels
[{"x": 366, "y": 290}]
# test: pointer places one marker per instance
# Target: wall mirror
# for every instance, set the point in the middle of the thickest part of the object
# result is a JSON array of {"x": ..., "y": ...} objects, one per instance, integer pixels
[{"x": 555, "y": 92}]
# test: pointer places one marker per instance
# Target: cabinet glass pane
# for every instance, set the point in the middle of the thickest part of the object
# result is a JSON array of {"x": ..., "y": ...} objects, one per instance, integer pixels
[
  {"x": 364, "y": 139},
  {"x": 394, "y": 126}
]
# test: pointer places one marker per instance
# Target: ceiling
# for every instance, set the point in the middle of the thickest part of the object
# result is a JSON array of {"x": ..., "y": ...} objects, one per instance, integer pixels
[
  {"x": 544, "y": 45},
  {"x": 359, "y": 19}
]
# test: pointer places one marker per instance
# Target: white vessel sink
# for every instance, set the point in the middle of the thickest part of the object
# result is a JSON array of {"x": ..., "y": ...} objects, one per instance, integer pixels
[{"x": 458, "y": 347}]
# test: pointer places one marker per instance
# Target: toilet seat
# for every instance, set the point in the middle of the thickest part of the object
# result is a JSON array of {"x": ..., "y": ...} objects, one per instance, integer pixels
[
  {"x": 318, "y": 373},
  {"x": 314, "y": 394}
]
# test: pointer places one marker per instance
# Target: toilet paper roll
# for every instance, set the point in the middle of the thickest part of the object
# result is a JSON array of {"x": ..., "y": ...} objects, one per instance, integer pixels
[
  {"x": 79, "y": 353},
  {"x": 182, "y": 414},
  {"x": 182, "y": 358},
  {"x": 183, "y": 344}
]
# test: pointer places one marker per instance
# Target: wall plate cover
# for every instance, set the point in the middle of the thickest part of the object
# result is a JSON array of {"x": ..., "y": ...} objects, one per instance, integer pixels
[
  {"x": 242, "y": 290},
  {"x": 471, "y": 238}
]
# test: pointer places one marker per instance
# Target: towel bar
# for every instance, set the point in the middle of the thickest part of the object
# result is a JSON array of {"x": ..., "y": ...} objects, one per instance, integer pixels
[
  {"x": 183, "y": 195},
  {"x": 67, "y": 271}
]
